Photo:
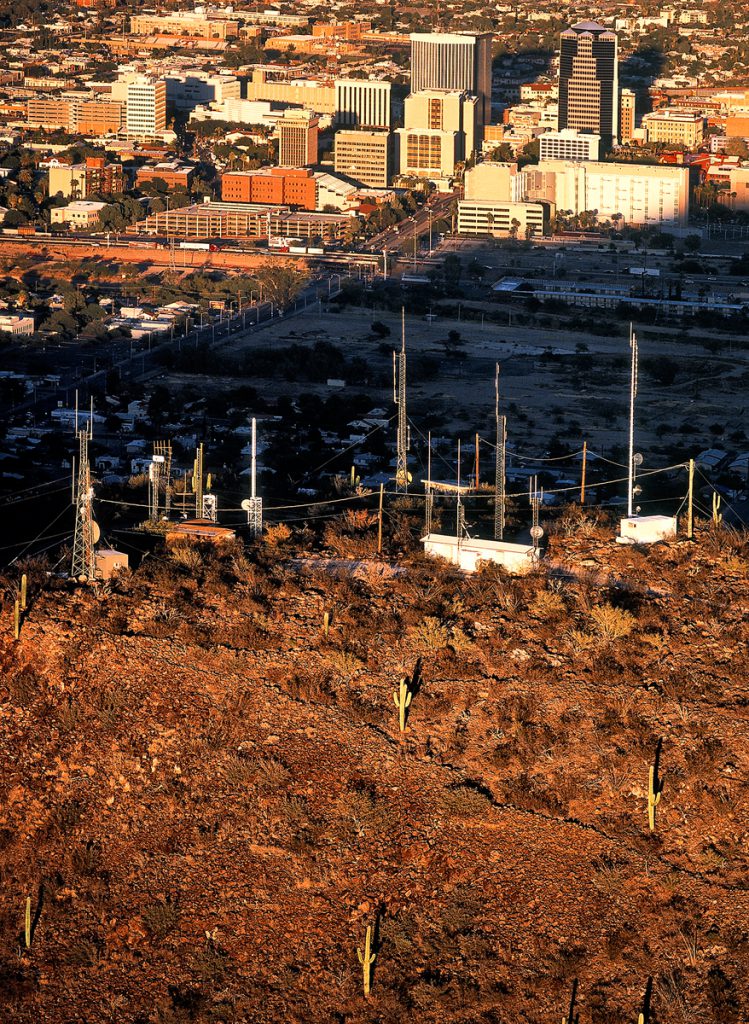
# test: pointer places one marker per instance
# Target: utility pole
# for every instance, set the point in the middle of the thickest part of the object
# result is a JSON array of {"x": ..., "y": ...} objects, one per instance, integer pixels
[
  {"x": 399, "y": 397},
  {"x": 429, "y": 496},
  {"x": 83, "y": 565},
  {"x": 690, "y": 502},
  {"x": 500, "y": 459},
  {"x": 379, "y": 520},
  {"x": 476, "y": 472},
  {"x": 632, "y": 396},
  {"x": 460, "y": 517},
  {"x": 582, "y": 478},
  {"x": 254, "y": 505},
  {"x": 197, "y": 481}
]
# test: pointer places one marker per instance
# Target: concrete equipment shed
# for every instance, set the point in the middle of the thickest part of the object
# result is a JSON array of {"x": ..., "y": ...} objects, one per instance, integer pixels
[
  {"x": 647, "y": 529},
  {"x": 516, "y": 558}
]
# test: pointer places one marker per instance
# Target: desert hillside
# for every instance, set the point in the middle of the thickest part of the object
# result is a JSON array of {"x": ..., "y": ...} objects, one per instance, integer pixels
[{"x": 206, "y": 794}]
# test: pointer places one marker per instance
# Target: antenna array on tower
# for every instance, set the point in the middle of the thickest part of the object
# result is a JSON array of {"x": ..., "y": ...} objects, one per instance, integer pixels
[
  {"x": 399, "y": 397},
  {"x": 83, "y": 564}
]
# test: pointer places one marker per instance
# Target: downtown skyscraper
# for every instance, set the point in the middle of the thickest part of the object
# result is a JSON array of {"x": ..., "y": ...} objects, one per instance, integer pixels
[
  {"x": 454, "y": 62},
  {"x": 589, "y": 80}
]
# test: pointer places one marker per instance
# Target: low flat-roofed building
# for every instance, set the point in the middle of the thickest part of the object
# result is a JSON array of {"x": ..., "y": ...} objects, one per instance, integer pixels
[
  {"x": 13, "y": 323},
  {"x": 81, "y": 213},
  {"x": 675, "y": 126},
  {"x": 503, "y": 219}
]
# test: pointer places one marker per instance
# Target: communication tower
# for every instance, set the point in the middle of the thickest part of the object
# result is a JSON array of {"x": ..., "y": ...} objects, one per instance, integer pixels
[
  {"x": 500, "y": 466},
  {"x": 253, "y": 505},
  {"x": 83, "y": 565},
  {"x": 399, "y": 397}
]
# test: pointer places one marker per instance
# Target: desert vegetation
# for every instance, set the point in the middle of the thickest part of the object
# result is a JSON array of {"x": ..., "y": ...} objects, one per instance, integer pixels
[{"x": 231, "y": 770}]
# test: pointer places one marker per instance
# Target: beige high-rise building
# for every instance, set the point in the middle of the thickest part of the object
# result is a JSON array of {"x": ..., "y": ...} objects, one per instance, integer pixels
[
  {"x": 297, "y": 138},
  {"x": 447, "y": 112},
  {"x": 364, "y": 156},
  {"x": 428, "y": 152},
  {"x": 626, "y": 115}
]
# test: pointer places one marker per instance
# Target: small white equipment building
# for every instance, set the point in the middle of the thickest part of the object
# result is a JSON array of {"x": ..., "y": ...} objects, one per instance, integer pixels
[
  {"x": 646, "y": 529},
  {"x": 468, "y": 552}
]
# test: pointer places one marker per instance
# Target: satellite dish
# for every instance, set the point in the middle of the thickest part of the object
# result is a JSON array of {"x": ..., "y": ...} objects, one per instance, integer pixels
[
  {"x": 638, "y": 459},
  {"x": 537, "y": 532},
  {"x": 95, "y": 533},
  {"x": 246, "y": 504}
]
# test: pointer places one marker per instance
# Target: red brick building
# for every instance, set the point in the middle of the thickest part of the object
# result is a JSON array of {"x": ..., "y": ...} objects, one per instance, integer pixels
[{"x": 276, "y": 186}]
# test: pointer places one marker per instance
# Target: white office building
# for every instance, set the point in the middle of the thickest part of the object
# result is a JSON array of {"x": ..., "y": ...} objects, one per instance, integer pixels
[
  {"x": 362, "y": 104},
  {"x": 454, "y": 62},
  {"x": 145, "y": 105},
  {"x": 569, "y": 144}
]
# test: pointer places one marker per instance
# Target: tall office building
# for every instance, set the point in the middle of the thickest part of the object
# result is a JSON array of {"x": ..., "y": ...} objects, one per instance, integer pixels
[
  {"x": 589, "y": 80},
  {"x": 297, "y": 138},
  {"x": 364, "y": 156},
  {"x": 362, "y": 104},
  {"x": 454, "y": 62},
  {"x": 626, "y": 115},
  {"x": 145, "y": 106},
  {"x": 447, "y": 112}
]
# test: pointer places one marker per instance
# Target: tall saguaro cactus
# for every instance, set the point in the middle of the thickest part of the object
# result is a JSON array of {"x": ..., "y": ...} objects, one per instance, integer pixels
[
  {"x": 572, "y": 1017},
  {"x": 655, "y": 785},
  {"x": 644, "y": 1017},
  {"x": 366, "y": 959},
  {"x": 27, "y": 924},
  {"x": 402, "y": 699}
]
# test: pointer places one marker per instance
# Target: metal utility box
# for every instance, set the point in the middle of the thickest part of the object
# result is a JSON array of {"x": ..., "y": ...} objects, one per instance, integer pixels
[
  {"x": 647, "y": 529},
  {"x": 467, "y": 554},
  {"x": 108, "y": 561}
]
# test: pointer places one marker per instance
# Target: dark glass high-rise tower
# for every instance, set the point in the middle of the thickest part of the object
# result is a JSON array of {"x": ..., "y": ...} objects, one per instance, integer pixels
[{"x": 589, "y": 80}]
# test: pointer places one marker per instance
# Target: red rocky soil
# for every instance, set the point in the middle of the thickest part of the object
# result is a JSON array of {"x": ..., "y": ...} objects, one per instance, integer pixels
[{"x": 208, "y": 800}]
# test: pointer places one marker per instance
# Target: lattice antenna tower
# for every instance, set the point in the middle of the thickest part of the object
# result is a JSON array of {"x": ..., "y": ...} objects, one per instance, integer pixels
[
  {"x": 83, "y": 564},
  {"x": 399, "y": 397},
  {"x": 253, "y": 505},
  {"x": 500, "y": 464},
  {"x": 164, "y": 449},
  {"x": 429, "y": 495}
]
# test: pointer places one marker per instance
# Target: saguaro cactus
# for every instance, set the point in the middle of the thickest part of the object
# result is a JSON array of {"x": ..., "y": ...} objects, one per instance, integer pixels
[
  {"x": 366, "y": 959},
  {"x": 717, "y": 514},
  {"x": 23, "y": 592},
  {"x": 644, "y": 1016},
  {"x": 17, "y": 619},
  {"x": 27, "y": 924},
  {"x": 572, "y": 1017},
  {"x": 327, "y": 618},
  {"x": 655, "y": 785},
  {"x": 402, "y": 699}
]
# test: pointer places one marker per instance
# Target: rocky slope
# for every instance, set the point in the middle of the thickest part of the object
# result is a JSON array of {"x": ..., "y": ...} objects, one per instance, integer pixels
[{"x": 208, "y": 799}]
